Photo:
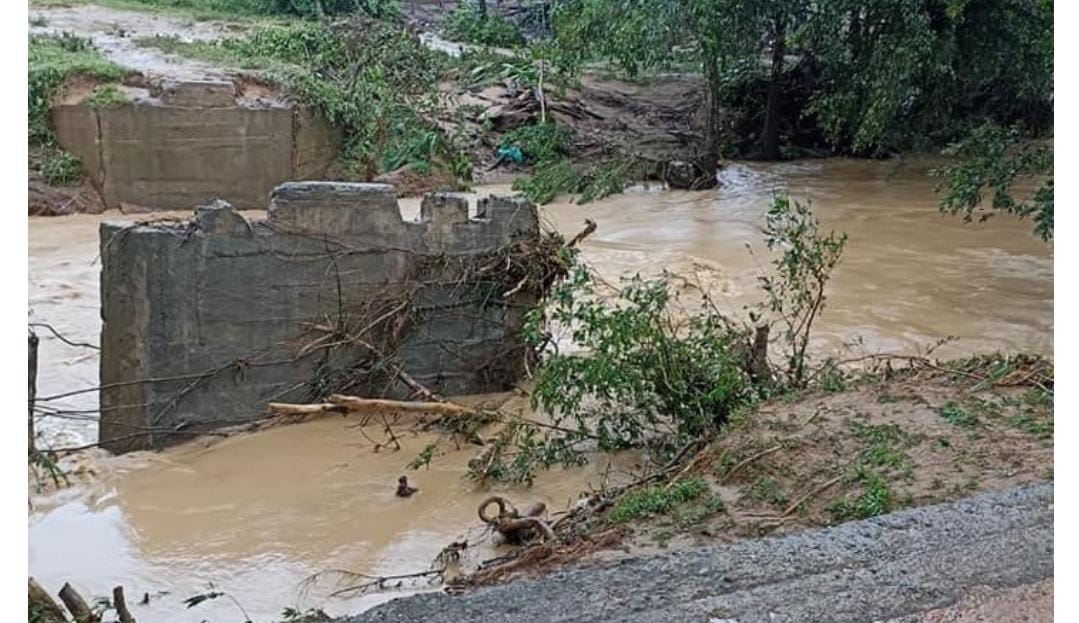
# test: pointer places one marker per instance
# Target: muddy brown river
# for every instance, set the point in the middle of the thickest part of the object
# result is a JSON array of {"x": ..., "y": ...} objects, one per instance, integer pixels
[{"x": 254, "y": 515}]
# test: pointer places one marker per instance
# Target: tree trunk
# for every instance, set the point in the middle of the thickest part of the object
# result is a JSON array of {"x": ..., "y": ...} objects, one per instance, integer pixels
[
  {"x": 770, "y": 135},
  {"x": 712, "y": 135},
  {"x": 482, "y": 10}
]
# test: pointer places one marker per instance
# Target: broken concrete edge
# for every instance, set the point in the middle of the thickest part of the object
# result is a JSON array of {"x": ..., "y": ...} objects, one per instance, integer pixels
[
  {"x": 206, "y": 321},
  {"x": 347, "y": 209}
]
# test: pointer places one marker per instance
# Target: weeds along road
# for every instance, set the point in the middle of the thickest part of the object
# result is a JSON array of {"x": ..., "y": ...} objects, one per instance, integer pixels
[{"x": 878, "y": 569}]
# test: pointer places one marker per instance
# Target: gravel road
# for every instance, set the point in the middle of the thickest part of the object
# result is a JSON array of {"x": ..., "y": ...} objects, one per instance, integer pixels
[{"x": 895, "y": 566}]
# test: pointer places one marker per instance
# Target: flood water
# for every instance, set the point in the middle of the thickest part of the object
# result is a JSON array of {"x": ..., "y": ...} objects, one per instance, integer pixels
[{"x": 256, "y": 514}]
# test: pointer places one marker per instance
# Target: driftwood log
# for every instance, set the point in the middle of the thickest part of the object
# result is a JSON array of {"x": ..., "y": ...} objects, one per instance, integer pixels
[{"x": 76, "y": 605}]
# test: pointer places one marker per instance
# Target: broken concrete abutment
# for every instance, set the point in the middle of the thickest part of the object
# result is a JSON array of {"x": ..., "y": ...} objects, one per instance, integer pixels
[
  {"x": 173, "y": 145},
  {"x": 207, "y": 321}
]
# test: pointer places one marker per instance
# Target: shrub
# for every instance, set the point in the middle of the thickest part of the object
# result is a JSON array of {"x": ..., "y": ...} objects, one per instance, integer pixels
[
  {"x": 795, "y": 292},
  {"x": 466, "y": 23},
  {"x": 541, "y": 142},
  {"x": 648, "y": 380}
]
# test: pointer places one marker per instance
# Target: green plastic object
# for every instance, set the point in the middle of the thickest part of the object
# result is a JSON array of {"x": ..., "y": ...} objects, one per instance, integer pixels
[{"x": 511, "y": 152}]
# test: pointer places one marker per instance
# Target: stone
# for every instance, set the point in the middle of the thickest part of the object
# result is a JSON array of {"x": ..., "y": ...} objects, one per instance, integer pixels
[{"x": 681, "y": 174}]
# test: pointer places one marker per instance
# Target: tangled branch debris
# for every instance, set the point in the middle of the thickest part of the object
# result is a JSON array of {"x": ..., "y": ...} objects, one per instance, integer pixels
[{"x": 513, "y": 525}]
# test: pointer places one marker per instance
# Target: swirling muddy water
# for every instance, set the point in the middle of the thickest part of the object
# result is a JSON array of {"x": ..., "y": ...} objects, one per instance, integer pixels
[{"x": 254, "y": 515}]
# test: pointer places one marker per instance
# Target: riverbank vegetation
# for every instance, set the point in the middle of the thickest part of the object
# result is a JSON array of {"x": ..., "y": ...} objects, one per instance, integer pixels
[
  {"x": 773, "y": 80},
  {"x": 52, "y": 62}
]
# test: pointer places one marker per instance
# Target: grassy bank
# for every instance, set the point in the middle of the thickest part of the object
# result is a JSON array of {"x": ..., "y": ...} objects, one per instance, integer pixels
[{"x": 53, "y": 61}]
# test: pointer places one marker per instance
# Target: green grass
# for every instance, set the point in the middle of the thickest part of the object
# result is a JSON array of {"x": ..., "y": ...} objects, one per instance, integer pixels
[
  {"x": 876, "y": 498},
  {"x": 106, "y": 96},
  {"x": 955, "y": 414},
  {"x": 225, "y": 52},
  {"x": 657, "y": 500}
]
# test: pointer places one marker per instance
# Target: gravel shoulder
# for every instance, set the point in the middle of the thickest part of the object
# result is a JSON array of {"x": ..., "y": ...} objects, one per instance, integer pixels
[{"x": 894, "y": 566}]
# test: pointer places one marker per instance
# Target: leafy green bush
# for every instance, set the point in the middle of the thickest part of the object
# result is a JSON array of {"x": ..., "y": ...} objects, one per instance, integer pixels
[
  {"x": 993, "y": 159},
  {"x": 541, "y": 142},
  {"x": 60, "y": 167},
  {"x": 795, "y": 293},
  {"x": 648, "y": 380},
  {"x": 466, "y": 23}
]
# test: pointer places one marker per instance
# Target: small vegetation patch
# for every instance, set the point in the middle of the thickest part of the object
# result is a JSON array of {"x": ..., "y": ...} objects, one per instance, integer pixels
[
  {"x": 106, "y": 96},
  {"x": 954, "y": 413},
  {"x": 469, "y": 24},
  {"x": 656, "y": 500},
  {"x": 875, "y": 499},
  {"x": 540, "y": 143}
]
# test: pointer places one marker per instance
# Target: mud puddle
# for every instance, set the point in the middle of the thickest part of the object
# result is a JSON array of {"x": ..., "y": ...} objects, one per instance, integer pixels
[{"x": 254, "y": 515}]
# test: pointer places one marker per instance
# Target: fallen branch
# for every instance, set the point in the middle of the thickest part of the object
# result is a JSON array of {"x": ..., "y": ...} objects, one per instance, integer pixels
[
  {"x": 284, "y": 408},
  {"x": 589, "y": 228},
  {"x": 794, "y": 505},
  {"x": 751, "y": 459},
  {"x": 355, "y": 404}
]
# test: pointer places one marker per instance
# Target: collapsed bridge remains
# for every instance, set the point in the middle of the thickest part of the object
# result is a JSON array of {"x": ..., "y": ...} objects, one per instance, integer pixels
[{"x": 206, "y": 322}]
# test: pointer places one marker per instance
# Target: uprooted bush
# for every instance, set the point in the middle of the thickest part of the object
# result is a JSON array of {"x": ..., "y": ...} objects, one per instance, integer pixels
[
  {"x": 653, "y": 373},
  {"x": 552, "y": 178}
]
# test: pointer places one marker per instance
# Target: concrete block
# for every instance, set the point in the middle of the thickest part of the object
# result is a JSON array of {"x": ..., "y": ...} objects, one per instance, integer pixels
[
  {"x": 221, "y": 315},
  {"x": 199, "y": 94}
]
